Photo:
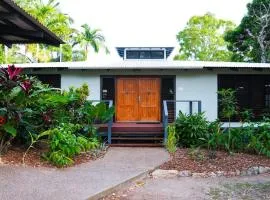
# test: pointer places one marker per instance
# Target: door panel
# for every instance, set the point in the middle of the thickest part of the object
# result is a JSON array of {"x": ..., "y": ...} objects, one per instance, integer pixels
[
  {"x": 149, "y": 101},
  {"x": 138, "y": 99},
  {"x": 127, "y": 99}
]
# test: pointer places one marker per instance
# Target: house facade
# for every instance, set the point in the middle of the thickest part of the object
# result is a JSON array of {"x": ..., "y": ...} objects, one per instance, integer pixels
[{"x": 144, "y": 79}]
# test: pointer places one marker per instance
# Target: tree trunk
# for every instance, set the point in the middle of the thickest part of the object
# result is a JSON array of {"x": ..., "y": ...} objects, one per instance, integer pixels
[
  {"x": 37, "y": 53},
  {"x": 86, "y": 52}
]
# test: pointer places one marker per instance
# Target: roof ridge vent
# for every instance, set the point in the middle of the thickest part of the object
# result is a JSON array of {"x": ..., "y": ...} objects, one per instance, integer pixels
[{"x": 144, "y": 53}]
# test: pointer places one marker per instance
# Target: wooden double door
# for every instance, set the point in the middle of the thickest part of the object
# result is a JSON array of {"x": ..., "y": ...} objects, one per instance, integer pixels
[{"x": 138, "y": 99}]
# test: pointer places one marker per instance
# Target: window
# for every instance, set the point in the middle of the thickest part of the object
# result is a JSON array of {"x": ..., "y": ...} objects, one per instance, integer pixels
[
  {"x": 157, "y": 54},
  {"x": 54, "y": 80},
  {"x": 132, "y": 54},
  {"x": 252, "y": 92},
  {"x": 107, "y": 90},
  {"x": 168, "y": 93},
  {"x": 145, "y": 54},
  {"x": 267, "y": 94}
]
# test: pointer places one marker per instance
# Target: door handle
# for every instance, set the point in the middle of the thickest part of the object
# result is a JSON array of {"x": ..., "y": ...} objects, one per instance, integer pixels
[{"x": 139, "y": 98}]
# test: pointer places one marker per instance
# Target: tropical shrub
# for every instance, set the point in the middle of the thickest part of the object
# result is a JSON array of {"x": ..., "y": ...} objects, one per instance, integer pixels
[
  {"x": 171, "y": 144},
  {"x": 227, "y": 103},
  {"x": 64, "y": 144},
  {"x": 259, "y": 138},
  {"x": 16, "y": 99},
  {"x": 30, "y": 110},
  {"x": 196, "y": 154},
  {"x": 190, "y": 128}
]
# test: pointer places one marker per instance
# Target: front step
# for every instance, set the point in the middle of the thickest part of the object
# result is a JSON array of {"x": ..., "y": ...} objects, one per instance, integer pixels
[
  {"x": 136, "y": 145},
  {"x": 137, "y": 138},
  {"x": 136, "y": 135},
  {"x": 142, "y": 139}
]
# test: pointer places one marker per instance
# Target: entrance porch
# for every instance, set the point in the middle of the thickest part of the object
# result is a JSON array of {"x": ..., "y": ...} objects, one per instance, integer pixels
[
  {"x": 144, "y": 106},
  {"x": 143, "y": 134}
]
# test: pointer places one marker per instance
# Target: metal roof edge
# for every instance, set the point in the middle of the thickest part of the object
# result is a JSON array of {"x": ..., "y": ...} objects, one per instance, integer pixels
[{"x": 144, "y": 64}]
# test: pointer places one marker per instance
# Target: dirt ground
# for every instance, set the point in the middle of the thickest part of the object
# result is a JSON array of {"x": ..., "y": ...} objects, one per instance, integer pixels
[
  {"x": 200, "y": 162},
  {"x": 237, "y": 188},
  {"x": 34, "y": 157}
]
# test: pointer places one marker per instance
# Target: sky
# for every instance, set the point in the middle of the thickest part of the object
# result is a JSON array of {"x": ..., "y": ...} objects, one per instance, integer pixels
[{"x": 143, "y": 23}]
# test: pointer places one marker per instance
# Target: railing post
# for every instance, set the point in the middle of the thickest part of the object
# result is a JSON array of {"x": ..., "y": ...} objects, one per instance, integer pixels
[
  {"x": 199, "y": 106},
  {"x": 190, "y": 107},
  {"x": 165, "y": 120},
  {"x": 110, "y": 125}
]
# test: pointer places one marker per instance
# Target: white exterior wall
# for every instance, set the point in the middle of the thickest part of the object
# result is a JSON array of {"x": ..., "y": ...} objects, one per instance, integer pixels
[
  {"x": 197, "y": 86},
  {"x": 77, "y": 79},
  {"x": 190, "y": 85}
]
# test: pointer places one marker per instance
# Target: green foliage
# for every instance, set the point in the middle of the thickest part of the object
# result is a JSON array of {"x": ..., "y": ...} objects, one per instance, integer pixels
[
  {"x": 91, "y": 113},
  {"x": 253, "y": 137},
  {"x": 212, "y": 139},
  {"x": 29, "y": 109},
  {"x": 34, "y": 139},
  {"x": 195, "y": 131},
  {"x": 171, "y": 141},
  {"x": 2, "y": 53},
  {"x": 64, "y": 144},
  {"x": 227, "y": 102},
  {"x": 259, "y": 138},
  {"x": 59, "y": 159},
  {"x": 196, "y": 154},
  {"x": 190, "y": 128},
  {"x": 49, "y": 14},
  {"x": 250, "y": 40},
  {"x": 202, "y": 39},
  {"x": 90, "y": 37}
]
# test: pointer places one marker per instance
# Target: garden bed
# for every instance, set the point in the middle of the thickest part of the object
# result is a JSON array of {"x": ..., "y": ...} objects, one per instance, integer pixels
[
  {"x": 34, "y": 158},
  {"x": 182, "y": 160}
]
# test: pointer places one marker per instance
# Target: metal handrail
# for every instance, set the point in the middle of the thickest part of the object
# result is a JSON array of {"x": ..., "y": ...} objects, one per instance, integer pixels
[
  {"x": 110, "y": 122},
  {"x": 165, "y": 120},
  {"x": 166, "y": 115}
]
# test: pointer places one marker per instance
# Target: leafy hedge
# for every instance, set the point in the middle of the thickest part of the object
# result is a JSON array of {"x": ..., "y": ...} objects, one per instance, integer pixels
[
  {"x": 29, "y": 108},
  {"x": 195, "y": 131}
]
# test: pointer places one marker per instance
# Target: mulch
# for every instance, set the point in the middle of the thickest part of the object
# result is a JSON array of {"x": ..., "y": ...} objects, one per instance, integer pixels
[
  {"x": 181, "y": 160},
  {"x": 34, "y": 158}
]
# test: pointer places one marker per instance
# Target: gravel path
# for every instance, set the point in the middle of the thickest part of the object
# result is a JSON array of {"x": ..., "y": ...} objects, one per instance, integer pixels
[{"x": 249, "y": 187}]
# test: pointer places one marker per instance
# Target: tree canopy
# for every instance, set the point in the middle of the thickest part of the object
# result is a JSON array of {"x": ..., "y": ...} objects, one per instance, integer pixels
[
  {"x": 49, "y": 14},
  {"x": 203, "y": 39},
  {"x": 90, "y": 37},
  {"x": 250, "y": 41}
]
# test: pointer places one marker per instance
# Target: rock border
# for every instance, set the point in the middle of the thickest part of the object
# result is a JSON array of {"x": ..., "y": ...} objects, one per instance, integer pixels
[{"x": 160, "y": 173}]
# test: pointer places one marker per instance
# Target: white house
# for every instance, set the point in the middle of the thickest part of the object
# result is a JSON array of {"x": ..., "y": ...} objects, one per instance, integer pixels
[{"x": 141, "y": 82}]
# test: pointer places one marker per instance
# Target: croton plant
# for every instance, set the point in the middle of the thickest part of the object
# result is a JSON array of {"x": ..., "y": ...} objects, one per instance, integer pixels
[
  {"x": 29, "y": 107},
  {"x": 14, "y": 89}
]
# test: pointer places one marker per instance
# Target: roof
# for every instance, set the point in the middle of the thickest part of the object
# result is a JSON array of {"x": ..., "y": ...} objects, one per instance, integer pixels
[
  {"x": 147, "y": 64},
  {"x": 121, "y": 50},
  {"x": 18, "y": 27}
]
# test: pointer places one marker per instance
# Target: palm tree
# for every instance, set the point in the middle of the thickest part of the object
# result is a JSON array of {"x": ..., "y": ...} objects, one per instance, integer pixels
[
  {"x": 48, "y": 13},
  {"x": 90, "y": 37}
]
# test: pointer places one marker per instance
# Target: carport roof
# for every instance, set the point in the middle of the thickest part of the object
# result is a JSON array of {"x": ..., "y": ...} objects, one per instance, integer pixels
[{"x": 18, "y": 27}]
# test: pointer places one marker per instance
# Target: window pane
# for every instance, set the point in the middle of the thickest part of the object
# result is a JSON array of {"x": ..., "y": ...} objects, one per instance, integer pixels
[
  {"x": 145, "y": 55},
  {"x": 132, "y": 54},
  {"x": 157, "y": 54}
]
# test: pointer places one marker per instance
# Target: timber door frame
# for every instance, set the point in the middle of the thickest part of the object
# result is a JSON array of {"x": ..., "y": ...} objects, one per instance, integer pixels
[{"x": 138, "y": 77}]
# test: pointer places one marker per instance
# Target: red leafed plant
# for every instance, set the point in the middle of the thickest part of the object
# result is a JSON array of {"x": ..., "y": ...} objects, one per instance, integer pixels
[
  {"x": 13, "y": 72},
  {"x": 2, "y": 120},
  {"x": 26, "y": 85}
]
